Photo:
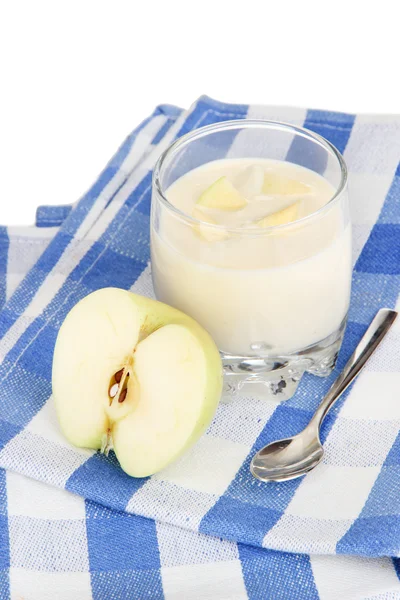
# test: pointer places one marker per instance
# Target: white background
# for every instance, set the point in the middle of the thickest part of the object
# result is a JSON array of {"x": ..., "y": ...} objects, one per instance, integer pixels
[{"x": 77, "y": 76}]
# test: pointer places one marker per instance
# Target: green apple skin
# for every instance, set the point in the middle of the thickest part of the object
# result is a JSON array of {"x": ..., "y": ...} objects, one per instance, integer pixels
[{"x": 174, "y": 384}]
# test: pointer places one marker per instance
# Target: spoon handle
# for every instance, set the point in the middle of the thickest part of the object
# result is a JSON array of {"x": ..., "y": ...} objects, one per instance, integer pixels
[{"x": 371, "y": 339}]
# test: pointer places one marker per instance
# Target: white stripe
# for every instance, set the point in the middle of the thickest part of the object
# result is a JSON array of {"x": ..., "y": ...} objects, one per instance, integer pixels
[
  {"x": 352, "y": 577},
  {"x": 210, "y": 477},
  {"x": 178, "y": 546},
  {"x": 143, "y": 284},
  {"x": 31, "y": 231},
  {"x": 322, "y": 509},
  {"x": 223, "y": 580},
  {"x": 42, "y": 437},
  {"x": 28, "y": 497},
  {"x": 181, "y": 506},
  {"x": 41, "y": 585},
  {"x": 251, "y": 142},
  {"x": 23, "y": 252},
  {"x": 25, "y": 452},
  {"x": 285, "y": 114},
  {"x": 374, "y": 397},
  {"x": 372, "y": 155}
]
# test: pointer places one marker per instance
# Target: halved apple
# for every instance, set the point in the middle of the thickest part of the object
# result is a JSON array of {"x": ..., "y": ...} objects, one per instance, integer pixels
[
  {"x": 287, "y": 215},
  {"x": 277, "y": 184},
  {"x": 210, "y": 234},
  {"x": 137, "y": 375},
  {"x": 222, "y": 195}
]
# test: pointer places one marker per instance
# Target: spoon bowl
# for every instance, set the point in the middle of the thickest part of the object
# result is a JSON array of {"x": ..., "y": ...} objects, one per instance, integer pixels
[{"x": 287, "y": 459}]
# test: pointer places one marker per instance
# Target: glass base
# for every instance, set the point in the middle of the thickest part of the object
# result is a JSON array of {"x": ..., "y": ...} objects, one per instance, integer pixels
[{"x": 277, "y": 377}]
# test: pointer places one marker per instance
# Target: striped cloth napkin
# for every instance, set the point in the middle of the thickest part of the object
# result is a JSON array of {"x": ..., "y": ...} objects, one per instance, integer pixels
[{"x": 74, "y": 526}]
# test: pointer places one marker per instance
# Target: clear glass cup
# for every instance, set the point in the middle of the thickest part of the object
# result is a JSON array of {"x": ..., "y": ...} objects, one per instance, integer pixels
[{"x": 274, "y": 299}]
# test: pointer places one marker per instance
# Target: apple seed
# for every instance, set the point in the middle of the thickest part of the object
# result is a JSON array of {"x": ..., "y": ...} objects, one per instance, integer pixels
[
  {"x": 122, "y": 395},
  {"x": 113, "y": 390},
  {"x": 118, "y": 375}
]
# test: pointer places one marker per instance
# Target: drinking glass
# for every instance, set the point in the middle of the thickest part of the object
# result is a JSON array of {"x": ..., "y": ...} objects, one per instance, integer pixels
[{"x": 274, "y": 299}]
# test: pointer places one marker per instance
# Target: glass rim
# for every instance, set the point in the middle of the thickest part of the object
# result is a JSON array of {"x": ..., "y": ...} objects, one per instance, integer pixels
[{"x": 187, "y": 138}]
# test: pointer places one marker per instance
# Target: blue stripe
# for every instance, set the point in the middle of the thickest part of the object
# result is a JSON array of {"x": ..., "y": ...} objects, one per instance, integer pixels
[
  {"x": 162, "y": 131},
  {"x": 52, "y": 216},
  {"x": 102, "y": 479},
  {"x": 391, "y": 210},
  {"x": 396, "y": 564},
  {"x": 372, "y": 536},
  {"x": 124, "y": 559},
  {"x": 169, "y": 110},
  {"x": 4, "y": 246},
  {"x": 381, "y": 253},
  {"x": 371, "y": 290},
  {"x": 4, "y": 539},
  {"x": 141, "y": 196},
  {"x": 270, "y": 575},
  {"x": 335, "y": 127},
  {"x": 208, "y": 111},
  {"x": 19, "y": 381}
]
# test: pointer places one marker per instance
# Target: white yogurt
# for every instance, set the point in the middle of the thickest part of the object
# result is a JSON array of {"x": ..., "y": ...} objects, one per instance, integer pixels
[{"x": 284, "y": 288}]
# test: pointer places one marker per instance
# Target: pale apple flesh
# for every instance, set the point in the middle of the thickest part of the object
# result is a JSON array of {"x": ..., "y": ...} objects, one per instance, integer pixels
[
  {"x": 249, "y": 182},
  {"x": 222, "y": 195},
  {"x": 210, "y": 234},
  {"x": 277, "y": 184},
  {"x": 281, "y": 217},
  {"x": 137, "y": 375}
]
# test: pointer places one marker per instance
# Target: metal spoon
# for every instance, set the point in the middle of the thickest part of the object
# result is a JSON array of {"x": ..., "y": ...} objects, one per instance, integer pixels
[{"x": 296, "y": 456}]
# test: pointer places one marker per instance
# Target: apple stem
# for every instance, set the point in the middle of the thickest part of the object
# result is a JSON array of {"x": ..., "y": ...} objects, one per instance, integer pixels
[{"x": 106, "y": 443}]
